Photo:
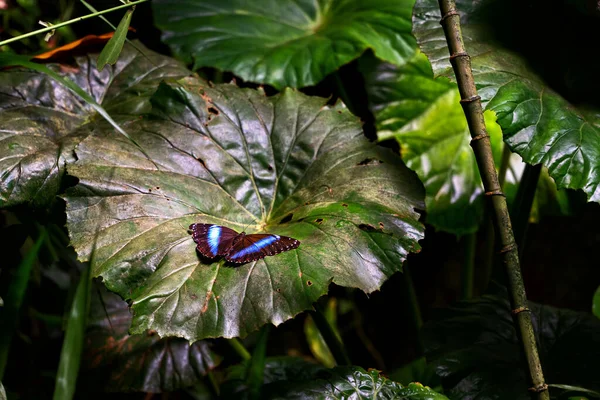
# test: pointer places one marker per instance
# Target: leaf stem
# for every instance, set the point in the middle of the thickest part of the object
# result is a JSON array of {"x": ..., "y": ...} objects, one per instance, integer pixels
[
  {"x": 239, "y": 348},
  {"x": 333, "y": 342},
  {"x": 9, "y": 313},
  {"x": 482, "y": 148},
  {"x": 69, "y": 22},
  {"x": 521, "y": 209}
]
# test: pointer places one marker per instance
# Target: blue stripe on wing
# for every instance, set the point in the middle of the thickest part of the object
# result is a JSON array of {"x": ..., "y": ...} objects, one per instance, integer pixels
[
  {"x": 255, "y": 247},
  {"x": 214, "y": 234}
]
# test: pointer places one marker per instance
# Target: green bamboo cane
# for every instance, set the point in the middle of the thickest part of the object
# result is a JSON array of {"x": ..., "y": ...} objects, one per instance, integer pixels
[{"x": 480, "y": 142}]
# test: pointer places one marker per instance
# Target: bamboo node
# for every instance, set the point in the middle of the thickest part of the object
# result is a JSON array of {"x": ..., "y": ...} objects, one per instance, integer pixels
[
  {"x": 470, "y": 100},
  {"x": 479, "y": 137},
  {"x": 457, "y": 55},
  {"x": 539, "y": 388},
  {"x": 448, "y": 15},
  {"x": 519, "y": 310},
  {"x": 507, "y": 248},
  {"x": 496, "y": 192}
]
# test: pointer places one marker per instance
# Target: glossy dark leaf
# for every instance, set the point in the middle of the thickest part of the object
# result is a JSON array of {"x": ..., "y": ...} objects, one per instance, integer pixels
[
  {"x": 537, "y": 123},
  {"x": 118, "y": 362},
  {"x": 285, "y": 42},
  {"x": 424, "y": 115},
  {"x": 475, "y": 349},
  {"x": 294, "y": 378},
  {"x": 43, "y": 121},
  {"x": 284, "y": 164}
]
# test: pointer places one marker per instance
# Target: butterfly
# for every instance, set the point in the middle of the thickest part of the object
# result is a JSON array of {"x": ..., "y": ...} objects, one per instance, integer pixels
[{"x": 215, "y": 240}]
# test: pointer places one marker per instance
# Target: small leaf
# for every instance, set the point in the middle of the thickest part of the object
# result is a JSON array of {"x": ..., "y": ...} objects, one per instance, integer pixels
[
  {"x": 110, "y": 53},
  {"x": 285, "y": 164},
  {"x": 285, "y": 42}
]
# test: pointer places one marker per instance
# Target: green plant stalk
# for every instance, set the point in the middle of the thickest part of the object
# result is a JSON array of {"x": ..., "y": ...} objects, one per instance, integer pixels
[
  {"x": 256, "y": 367},
  {"x": 521, "y": 209},
  {"x": 471, "y": 103},
  {"x": 239, "y": 348},
  {"x": 9, "y": 313},
  {"x": 69, "y": 22},
  {"x": 413, "y": 305},
  {"x": 333, "y": 342},
  {"x": 468, "y": 266},
  {"x": 68, "y": 367}
]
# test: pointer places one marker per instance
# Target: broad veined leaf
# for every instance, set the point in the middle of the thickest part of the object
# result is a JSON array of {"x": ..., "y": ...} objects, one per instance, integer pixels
[
  {"x": 285, "y": 165},
  {"x": 475, "y": 350},
  {"x": 537, "y": 123},
  {"x": 424, "y": 115},
  {"x": 119, "y": 362},
  {"x": 294, "y": 378},
  {"x": 285, "y": 42},
  {"x": 42, "y": 121}
]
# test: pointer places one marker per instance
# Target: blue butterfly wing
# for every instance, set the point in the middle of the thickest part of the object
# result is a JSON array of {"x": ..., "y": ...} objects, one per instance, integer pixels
[
  {"x": 212, "y": 240},
  {"x": 253, "y": 247}
]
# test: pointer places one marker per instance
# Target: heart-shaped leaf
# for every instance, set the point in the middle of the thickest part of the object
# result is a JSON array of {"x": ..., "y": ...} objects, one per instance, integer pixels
[
  {"x": 284, "y": 164},
  {"x": 285, "y": 42},
  {"x": 424, "y": 115},
  {"x": 42, "y": 121},
  {"x": 476, "y": 351},
  {"x": 537, "y": 123},
  {"x": 295, "y": 378},
  {"x": 118, "y": 362}
]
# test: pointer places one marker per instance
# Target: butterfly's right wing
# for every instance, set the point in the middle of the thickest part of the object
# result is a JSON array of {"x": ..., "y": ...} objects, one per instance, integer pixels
[{"x": 212, "y": 240}]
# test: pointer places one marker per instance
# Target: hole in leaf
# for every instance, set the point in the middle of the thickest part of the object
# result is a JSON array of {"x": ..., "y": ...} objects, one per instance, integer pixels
[
  {"x": 287, "y": 218},
  {"x": 367, "y": 227},
  {"x": 213, "y": 111},
  {"x": 270, "y": 168},
  {"x": 309, "y": 283},
  {"x": 201, "y": 162},
  {"x": 307, "y": 203},
  {"x": 381, "y": 225},
  {"x": 370, "y": 161},
  {"x": 344, "y": 205},
  {"x": 319, "y": 220}
]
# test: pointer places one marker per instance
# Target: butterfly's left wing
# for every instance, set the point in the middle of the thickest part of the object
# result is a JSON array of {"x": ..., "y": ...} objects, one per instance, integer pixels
[
  {"x": 212, "y": 240},
  {"x": 256, "y": 246}
]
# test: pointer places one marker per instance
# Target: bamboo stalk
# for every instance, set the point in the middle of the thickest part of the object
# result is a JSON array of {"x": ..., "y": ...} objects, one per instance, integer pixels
[{"x": 480, "y": 142}]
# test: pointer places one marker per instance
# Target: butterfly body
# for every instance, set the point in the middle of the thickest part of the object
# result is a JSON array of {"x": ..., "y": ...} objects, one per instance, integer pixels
[{"x": 215, "y": 240}]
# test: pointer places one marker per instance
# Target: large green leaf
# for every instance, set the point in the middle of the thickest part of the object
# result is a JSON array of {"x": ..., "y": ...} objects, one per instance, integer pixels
[
  {"x": 476, "y": 351},
  {"x": 294, "y": 378},
  {"x": 118, "y": 362},
  {"x": 537, "y": 123},
  {"x": 42, "y": 121},
  {"x": 284, "y": 164},
  {"x": 285, "y": 42},
  {"x": 424, "y": 115}
]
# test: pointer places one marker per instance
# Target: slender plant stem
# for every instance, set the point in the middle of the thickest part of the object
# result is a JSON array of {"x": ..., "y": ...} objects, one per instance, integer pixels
[
  {"x": 480, "y": 142},
  {"x": 71, "y": 21},
  {"x": 521, "y": 209},
  {"x": 468, "y": 266},
  {"x": 239, "y": 348},
  {"x": 333, "y": 342},
  {"x": 504, "y": 165},
  {"x": 413, "y": 305},
  {"x": 9, "y": 314}
]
